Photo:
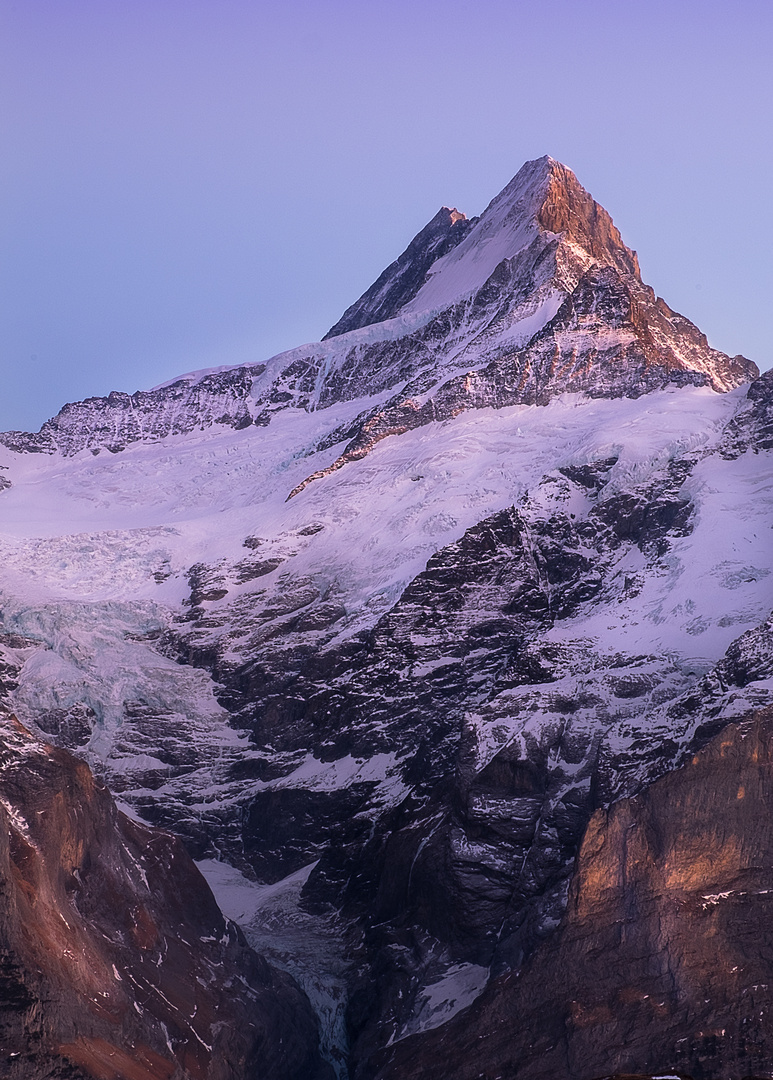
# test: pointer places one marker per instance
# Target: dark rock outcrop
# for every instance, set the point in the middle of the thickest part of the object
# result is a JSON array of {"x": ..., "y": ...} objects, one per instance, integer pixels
[
  {"x": 663, "y": 964},
  {"x": 752, "y": 428}
]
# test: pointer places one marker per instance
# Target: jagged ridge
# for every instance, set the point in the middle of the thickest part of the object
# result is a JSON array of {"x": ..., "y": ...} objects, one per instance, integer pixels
[
  {"x": 400, "y": 282},
  {"x": 537, "y": 297}
]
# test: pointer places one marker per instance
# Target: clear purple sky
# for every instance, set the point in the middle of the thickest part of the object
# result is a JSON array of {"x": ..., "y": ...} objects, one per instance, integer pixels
[{"x": 188, "y": 183}]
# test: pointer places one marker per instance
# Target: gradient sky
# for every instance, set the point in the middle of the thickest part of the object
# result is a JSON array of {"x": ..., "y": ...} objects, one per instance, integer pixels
[{"x": 188, "y": 183}]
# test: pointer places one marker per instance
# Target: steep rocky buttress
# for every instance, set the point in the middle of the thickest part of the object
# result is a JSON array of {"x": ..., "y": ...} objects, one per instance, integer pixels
[
  {"x": 115, "y": 962},
  {"x": 662, "y": 964}
]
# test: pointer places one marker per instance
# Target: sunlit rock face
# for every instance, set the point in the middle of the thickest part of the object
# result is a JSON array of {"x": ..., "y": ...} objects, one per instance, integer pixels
[
  {"x": 116, "y": 961},
  {"x": 378, "y": 626},
  {"x": 662, "y": 963}
]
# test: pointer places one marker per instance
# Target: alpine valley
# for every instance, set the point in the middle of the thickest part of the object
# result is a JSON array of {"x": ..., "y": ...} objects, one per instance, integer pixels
[{"x": 444, "y": 647}]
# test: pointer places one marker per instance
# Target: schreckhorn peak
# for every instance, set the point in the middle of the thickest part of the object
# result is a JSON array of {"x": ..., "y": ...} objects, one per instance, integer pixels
[
  {"x": 537, "y": 297},
  {"x": 452, "y": 256},
  {"x": 421, "y": 723}
]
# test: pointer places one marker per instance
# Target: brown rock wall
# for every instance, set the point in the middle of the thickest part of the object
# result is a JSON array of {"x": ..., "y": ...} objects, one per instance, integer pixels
[
  {"x": 115, "y": 961},
  {"x": 664, "y": 962},
  {"x": 569, "y": 209}
]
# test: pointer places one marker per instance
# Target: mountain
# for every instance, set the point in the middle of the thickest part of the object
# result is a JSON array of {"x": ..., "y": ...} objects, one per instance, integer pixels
[
  {"x": 382, "y": 627},
  {"x": 537, "y": 297}
]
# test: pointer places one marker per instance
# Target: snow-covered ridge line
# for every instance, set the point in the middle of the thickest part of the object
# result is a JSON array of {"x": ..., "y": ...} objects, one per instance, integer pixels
[{"x": 538, "y": 297}]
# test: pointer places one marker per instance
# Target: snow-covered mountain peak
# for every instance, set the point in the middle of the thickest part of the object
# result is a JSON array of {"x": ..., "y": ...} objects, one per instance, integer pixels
[
  {"x": 537, "y": 297},
  {"x": 454, "y": 256},
  {"x": 543, "y": 197},
  {"x": 383, "y": 620}
]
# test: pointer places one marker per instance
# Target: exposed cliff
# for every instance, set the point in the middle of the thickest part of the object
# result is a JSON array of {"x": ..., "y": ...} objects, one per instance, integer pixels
[
  {"x": 662, "y": 964},
  {"x": 115, "y": 962}
]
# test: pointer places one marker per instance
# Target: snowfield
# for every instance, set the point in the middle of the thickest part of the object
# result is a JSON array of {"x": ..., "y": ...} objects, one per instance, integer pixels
[{"x": 100, "y": 528}]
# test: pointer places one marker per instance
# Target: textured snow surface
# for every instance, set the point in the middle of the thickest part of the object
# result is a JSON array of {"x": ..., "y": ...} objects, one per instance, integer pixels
[
  {"x": 441, "y": 1000},
  {"x": 94, "y": 550},
  {"x": 99, "y": 528}
]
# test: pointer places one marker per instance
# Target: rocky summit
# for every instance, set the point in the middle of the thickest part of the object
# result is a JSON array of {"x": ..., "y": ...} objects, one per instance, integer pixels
[{"x": 443, "y": 646}]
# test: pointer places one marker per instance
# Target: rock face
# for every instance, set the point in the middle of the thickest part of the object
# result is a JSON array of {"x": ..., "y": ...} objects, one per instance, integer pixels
[
  {"x": 115, "y": 960},
  {"x": 752, "y": 429},
  {"x": 662, "y": 964},
  {"x": 532, "y": 575},
  {"x": 400, "y": 282}
]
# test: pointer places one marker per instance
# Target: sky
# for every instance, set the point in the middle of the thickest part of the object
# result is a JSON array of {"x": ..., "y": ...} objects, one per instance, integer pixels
[{"x": 190, "y": 183}]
